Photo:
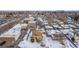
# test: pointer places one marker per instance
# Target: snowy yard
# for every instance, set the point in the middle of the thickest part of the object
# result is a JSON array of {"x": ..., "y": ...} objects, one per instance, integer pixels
[{"x": 47, "y": 42}]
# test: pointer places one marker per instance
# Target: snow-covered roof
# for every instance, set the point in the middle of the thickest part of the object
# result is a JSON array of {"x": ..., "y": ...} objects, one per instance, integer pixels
[
  {"x": 40, "y": 19},
  {"x": 23, "y": 25},
  {"x": 48, "y": 26},
  {"x": 50, "y": 32},
  {"x": 32, "y": 22}
]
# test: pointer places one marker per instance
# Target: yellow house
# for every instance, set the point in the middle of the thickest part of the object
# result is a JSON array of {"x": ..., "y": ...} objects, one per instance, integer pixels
[{"x": 36, "y": 36}]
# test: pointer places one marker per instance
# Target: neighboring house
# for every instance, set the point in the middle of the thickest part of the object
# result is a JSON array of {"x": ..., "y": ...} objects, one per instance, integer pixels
[
  {"x": 32, "y": 24},
  {"x": 7, "y": 40}
]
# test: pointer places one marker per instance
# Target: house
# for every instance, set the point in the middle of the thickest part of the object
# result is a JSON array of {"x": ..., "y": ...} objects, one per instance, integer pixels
[
  {"x": 58, "y": 36},
  {"x": 32, "y": 24},
  {"x": 23, "y": 26},
  {"x": 7, "y": 40},
  {"x": 40, "y": 22},
  {"x": 36, "y": 36}
]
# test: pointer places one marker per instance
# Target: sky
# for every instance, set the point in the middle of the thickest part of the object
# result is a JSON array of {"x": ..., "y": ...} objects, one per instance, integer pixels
[{"x": 39, "y": 5}]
